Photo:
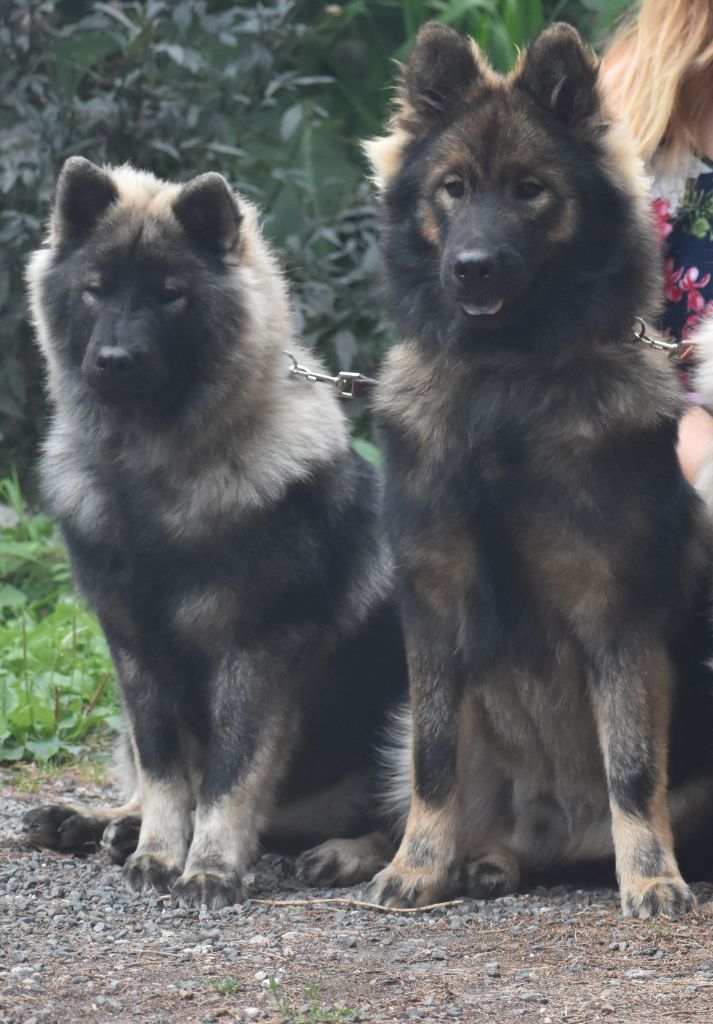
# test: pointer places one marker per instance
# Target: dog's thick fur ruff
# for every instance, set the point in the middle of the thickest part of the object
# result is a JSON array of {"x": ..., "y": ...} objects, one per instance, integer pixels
[
  {"x": 553, "y": 566},
  {"x": 219, "y": 524}
]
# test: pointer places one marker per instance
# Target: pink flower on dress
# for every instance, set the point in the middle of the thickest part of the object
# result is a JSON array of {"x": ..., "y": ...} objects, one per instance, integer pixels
[
  {"x": 662, "y": 214},
  {"x": 682, "y": 282},
  {"x": 691, "y": 283},
  {"x": 672, "y": 277}
]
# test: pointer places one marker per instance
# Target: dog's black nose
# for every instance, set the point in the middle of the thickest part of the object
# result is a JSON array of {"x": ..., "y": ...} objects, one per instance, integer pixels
[
  {"x": 473, "y": 266},
  {"x": 113, "y": 362}
]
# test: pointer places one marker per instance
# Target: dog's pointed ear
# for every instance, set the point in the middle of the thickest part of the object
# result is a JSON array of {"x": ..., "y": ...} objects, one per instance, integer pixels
[
  {"x": 560, "y": 72},
  {"x": 442, "y": 69},
  {"x": 84, "y": 192},
  {"x": 207, "y": 210}
]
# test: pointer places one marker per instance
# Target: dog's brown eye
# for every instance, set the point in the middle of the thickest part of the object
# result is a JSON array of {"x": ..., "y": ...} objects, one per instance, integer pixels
[
  {"x": 93, "y": 290},
  {"x": 528, "y": 188},
  {"x": 170, "y": 294},
  {"x": 454, "y": 187}
]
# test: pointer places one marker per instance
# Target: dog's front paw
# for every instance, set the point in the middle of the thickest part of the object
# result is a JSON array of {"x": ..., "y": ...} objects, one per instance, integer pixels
[
  {"x": 401, "y": 886},
  {"x": 121, "y": 837},
  {"x": 654, "y": 897},
  {"x": 146, "y": 871},
  {"x": 212, "y": 889},
  {"x": 344, "y": 861},
  {"x": 58, "y": 827}
]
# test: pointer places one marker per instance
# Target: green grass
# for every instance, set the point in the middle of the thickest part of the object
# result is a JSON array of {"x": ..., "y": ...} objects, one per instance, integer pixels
[
  {"x": 57, "y": 688},
  {"x": 34, "y": 778},
  {"x": 312, "y": 1013},
  {"x": 228, "y": 986}
]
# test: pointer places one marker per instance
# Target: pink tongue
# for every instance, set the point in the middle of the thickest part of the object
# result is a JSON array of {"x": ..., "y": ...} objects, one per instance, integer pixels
[{"x": 472, "y": 310}]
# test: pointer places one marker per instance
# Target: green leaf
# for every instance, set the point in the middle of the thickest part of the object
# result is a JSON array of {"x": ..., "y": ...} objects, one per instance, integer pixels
[
  {"x": 11, "y": 751},
  {"x": 701, "y": 227},
  {"x": 290, "y": 122},
  {"x": 522, "y": 19},
  {"x": 77, "y": 53},
  {"x": 43, "y": 750},
  {"x": 368, "y": 451},
  {"x": 11, "y": 597}
]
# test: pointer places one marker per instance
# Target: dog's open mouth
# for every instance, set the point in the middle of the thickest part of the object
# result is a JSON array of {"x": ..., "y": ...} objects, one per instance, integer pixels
[{"x": 472, "y": 310}]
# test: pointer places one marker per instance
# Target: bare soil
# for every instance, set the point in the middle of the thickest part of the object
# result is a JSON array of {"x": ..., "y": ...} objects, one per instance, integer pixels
[{"x": 76, "y": 946}]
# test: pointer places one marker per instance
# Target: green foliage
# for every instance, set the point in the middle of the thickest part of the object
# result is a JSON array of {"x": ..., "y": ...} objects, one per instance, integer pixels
[
  {"x": 228, "y": 986},
  {"x": 276, "y": 95},
  {"x": 56, "y": 678},
  {"x": 695, "y": 213},
  {"x": 368, "y": 451}
]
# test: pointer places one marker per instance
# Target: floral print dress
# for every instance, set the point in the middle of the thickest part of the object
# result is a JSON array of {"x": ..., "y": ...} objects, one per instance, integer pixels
[{"x": 683, "y": 204}]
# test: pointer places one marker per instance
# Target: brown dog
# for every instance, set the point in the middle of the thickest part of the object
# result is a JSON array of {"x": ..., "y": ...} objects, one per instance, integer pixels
[{"x": 553, "y": 564}]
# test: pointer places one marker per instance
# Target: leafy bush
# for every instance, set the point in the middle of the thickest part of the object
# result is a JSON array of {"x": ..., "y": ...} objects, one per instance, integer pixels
[
  {"x": 56, "y": 678},
  {"x": 275, "y": 95}
]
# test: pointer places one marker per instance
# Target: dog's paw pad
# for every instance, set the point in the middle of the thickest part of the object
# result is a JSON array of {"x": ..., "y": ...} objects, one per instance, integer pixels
[
  {"x": 121, "y": 837},
  {"x": 58, "y": 827},
  {"x": 485, "y": 878},
  {"x": 145, "y": 871},
  {"x": 209, "y": 889},
  {"x": 341, "y": 862},
  {"x": 657, "y": 897}
]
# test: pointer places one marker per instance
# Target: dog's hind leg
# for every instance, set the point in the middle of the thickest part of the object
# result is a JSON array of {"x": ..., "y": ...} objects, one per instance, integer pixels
[
  {"x": 331, "y": 827},
  {"x": 71, "y": 828},
  {"x": 493, "y": 872},
  {"x": 632, "y": 707},
  {"x": 345, "y": 861}
]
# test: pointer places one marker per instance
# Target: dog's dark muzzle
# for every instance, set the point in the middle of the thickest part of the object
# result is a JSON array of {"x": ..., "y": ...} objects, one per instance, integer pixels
[
  {"x": 118, "y": 371},
  {"x": 483, "y": 281},
  {"x": 476, "y": 281}
]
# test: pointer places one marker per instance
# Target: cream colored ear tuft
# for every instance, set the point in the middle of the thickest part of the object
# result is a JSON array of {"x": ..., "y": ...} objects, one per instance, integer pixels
[{"x": 385, "y": 153}]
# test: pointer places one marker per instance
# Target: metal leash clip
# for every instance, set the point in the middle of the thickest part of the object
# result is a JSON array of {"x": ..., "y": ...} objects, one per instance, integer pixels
[
  {"x": 348, "y": 384},
  {"x": 672, "y": 347}
]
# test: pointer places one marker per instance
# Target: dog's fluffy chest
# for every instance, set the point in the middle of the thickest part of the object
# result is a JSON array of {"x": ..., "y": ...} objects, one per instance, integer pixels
[
  {"x": 535, "y": 502},
  {"x": 132, "y": 560}
]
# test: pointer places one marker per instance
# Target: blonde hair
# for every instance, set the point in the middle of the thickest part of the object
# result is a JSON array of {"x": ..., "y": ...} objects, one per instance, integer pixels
[{"x": 658, "y": 74}]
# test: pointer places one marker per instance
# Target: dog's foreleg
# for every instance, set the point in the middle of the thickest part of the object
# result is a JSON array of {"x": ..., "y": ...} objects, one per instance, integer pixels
[
  {"x": 632, "y": 708},
  {"x": 426, "y": 864},
  {"x": 252, "y": 730},
  {"x": 164, "y": 786}
]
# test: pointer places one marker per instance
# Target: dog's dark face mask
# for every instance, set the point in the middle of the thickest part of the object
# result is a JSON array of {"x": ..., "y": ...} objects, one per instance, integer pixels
[
  {"x": 503, "y": 198},
  {"x": 135, "y": 290}
]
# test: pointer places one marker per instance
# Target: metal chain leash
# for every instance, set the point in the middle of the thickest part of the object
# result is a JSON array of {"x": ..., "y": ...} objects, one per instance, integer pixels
[{"x": 348, "y": 385}]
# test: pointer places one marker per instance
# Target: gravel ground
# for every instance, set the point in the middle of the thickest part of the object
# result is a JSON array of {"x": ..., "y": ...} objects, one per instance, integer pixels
[{"x": 76, "y": 946}]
